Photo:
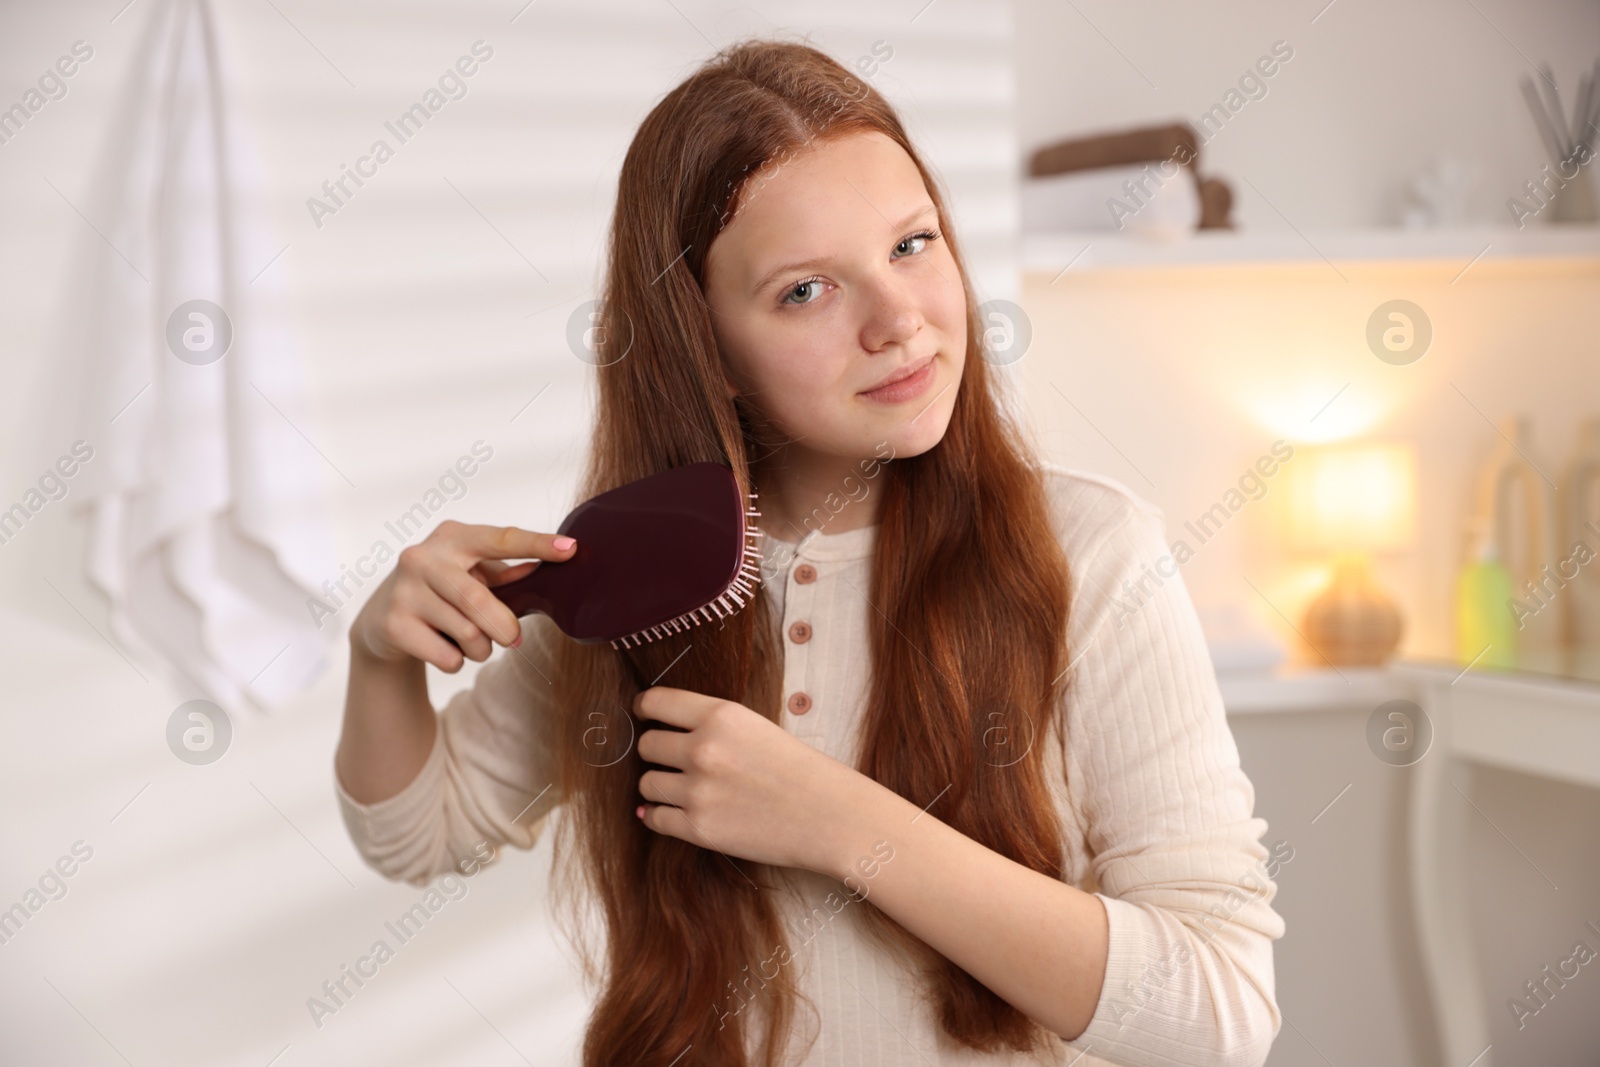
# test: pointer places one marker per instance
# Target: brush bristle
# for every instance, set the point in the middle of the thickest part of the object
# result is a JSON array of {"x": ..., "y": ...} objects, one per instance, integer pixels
[{"x": 734, "y": 597}]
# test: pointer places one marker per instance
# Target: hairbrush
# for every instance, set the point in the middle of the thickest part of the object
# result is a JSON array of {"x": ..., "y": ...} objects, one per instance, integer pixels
[{"x": 655, "y": 557}]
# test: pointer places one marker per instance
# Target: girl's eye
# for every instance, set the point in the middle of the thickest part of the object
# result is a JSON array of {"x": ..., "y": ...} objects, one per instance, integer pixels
[
  {"x": 924, "y": 236},
  {"x": 814, "y": 283}
]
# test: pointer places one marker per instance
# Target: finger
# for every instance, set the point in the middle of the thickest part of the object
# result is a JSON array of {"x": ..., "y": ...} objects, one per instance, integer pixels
[
  {"x": 676, "y": 707},
  {"x": 444, "y": 618},
  {"x": 666, "y": 819},
  {"x": 494, "y": 573},
  {"x": 661, "y": 787},
  {"x": 669, "y": 748},
  {"x": 417, "y": 638},
  {"x": 507, "y": 542},
  {"x": 482, "y": 608}
]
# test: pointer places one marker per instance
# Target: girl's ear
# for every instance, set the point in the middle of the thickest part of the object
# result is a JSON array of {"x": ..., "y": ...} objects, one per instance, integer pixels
[{"x": 729, "y": 386}]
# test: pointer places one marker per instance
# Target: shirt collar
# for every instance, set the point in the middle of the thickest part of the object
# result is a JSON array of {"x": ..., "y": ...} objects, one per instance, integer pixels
[{"x": 821, "y": 547}]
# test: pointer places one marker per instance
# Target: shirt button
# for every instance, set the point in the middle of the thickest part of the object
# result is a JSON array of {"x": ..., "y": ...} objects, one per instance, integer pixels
[
  {"x": 799, "y": 703},
  {"x": 800, "y": 632},
  {"x": 805, "y": 574}
]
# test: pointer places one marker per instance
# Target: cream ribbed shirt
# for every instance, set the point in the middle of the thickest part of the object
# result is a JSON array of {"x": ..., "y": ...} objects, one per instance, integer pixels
[{"x": 1158, "y": 814}]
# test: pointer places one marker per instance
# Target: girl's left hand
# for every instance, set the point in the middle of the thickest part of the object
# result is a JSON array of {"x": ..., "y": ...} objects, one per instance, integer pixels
[{"x": 743, "y": 785}]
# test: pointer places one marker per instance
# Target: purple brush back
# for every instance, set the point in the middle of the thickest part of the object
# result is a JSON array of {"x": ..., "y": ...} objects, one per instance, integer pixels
[{"x": 654, "y": 557}]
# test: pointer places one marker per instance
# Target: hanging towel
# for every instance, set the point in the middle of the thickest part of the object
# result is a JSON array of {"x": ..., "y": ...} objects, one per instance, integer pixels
[{"x": 208, "y": 526}]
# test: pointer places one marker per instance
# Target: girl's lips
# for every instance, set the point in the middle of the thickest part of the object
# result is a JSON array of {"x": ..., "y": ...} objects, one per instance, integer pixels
[{"x": 906, "y": 388}]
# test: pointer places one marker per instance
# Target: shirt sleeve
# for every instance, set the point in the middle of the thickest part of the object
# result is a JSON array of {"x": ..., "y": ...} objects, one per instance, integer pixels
[
  {"x": 488, "y": 781},
  {"x": 1168, "y": 816}
]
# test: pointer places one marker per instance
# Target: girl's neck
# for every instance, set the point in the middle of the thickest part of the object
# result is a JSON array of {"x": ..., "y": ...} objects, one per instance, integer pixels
[{"x": 796, "y": 495}]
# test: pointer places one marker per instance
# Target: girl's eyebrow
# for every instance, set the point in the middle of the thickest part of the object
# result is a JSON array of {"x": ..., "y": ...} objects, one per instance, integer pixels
[{"x": 794, "y": 268}]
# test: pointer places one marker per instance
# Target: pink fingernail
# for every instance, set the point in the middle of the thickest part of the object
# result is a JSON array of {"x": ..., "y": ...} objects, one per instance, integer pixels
[
  {"x": 564, "y": 543},
  {"x": 639, "y": 811}
]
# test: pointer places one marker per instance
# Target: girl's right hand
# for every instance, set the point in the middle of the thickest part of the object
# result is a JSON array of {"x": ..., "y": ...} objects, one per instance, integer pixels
[{"x": 440, "y": 585}]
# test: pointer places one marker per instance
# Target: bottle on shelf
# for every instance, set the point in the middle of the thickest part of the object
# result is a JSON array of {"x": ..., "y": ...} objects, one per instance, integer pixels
[
  {"x": 1518, "y": 500},
  {"x": 1486, "y": 629},
  {"x": 1580, "y": 547}
]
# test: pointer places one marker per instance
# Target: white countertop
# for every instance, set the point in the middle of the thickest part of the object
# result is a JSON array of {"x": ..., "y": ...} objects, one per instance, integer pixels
[{"x": 1291, "y": 688}]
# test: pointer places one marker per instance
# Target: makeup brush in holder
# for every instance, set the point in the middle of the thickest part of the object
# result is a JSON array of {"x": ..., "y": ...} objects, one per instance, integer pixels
[{"x": 1570, "y": 144}]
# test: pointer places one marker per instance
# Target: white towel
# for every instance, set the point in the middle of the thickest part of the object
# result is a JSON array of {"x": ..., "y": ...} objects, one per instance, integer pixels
[
  {"x": 1141, "y": 199},
  {"x": 209, "y": 527}
]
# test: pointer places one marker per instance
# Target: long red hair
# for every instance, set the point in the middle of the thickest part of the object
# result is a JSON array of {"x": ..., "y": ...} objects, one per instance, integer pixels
[{"x": 968, "y": 644}]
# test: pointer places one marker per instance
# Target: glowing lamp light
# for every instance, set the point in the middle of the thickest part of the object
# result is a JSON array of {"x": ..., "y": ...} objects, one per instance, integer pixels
[{"x": 1353, "y": 500}]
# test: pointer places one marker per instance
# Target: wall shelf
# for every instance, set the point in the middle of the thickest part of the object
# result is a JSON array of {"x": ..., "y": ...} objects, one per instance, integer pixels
[{"x": 1048, "y": 252}]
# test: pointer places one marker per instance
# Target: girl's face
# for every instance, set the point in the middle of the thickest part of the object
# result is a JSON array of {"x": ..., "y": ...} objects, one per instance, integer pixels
[{"x": 830, "y": 279}]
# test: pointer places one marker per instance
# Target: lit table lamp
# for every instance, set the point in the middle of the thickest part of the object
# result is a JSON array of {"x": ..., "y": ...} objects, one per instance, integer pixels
[{"x": 1353, "y": 500}]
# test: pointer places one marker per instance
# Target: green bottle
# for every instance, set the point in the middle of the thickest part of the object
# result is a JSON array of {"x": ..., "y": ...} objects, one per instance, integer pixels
[{"x": 1483, "y": 605}]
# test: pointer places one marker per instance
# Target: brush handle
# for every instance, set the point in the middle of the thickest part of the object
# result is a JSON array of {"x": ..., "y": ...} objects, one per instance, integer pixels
[
  {"x": 1558, "y": 117},
  {"x": 1590, "y": 119},
  {"x": 524, "y": 596},
  {"x": 1547, "y": 130},
  {"x": 527, "y": 595}
]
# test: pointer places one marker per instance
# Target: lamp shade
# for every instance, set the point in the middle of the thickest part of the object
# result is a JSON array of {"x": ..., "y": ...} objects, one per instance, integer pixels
[{"x": 1353, "y": 497}]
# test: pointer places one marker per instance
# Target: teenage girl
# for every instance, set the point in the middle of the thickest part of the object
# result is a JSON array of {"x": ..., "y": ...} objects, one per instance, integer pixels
[{"x": 944, "y": 784}]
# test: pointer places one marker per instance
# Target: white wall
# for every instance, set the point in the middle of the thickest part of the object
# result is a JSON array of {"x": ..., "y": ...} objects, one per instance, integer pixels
[{"x": 1374, "y": 91}]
